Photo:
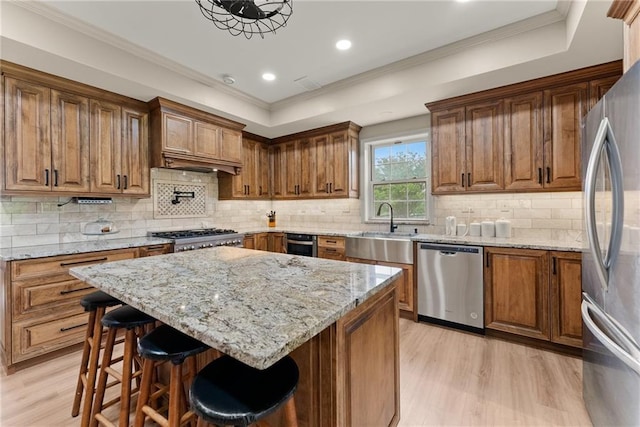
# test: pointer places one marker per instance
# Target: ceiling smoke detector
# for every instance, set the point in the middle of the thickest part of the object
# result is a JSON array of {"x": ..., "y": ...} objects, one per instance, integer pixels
[{"x": 228, "y": 80}]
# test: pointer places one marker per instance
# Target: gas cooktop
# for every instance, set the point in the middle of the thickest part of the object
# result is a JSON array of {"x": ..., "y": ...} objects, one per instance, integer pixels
[{"x": 186, "y": 234}]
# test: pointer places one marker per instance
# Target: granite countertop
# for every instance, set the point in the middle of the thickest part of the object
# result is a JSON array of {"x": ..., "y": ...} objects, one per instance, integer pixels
[
  {"x": 512, "y": 242},
  {"x": 252, "y": 305},
  {"x": 28, "y": 252}
]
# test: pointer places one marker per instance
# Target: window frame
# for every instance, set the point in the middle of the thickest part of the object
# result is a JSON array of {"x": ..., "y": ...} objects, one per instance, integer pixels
[{"x": 368, "y": 212}]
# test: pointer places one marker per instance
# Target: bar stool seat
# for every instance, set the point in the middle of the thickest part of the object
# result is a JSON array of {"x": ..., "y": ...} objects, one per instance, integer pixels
[
  {"x": 96, "y": 304},
  {"x": 228, "y": 392},
  {"x": 166, "y": 344},
  {"x": 136, "y": 324}
]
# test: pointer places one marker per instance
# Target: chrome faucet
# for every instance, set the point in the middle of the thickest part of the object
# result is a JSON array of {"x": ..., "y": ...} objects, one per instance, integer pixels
[{"x": 391, "y": 226}]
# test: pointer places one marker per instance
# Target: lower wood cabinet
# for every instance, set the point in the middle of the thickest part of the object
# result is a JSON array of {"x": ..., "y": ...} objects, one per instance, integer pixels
[
  {"x": 534, "y": 293},
  {"x": 276, "y": 243},
  {"x": 257, "y": 241},
  {"x": 331, "y": 247},
  {"x": 40, "y": 308},
  {"x": 406, "y": 286}
]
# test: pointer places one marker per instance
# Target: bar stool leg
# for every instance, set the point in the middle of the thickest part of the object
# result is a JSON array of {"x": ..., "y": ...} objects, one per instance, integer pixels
[
  {"x": 290, "y": 417},
  {"x": 127, "y": 364},
  {"x": 102, "y": 381},
  {"x": 175, "y": 395},
  {"x": 90, "y": 386},
  {"x": 86, "y": 352}
]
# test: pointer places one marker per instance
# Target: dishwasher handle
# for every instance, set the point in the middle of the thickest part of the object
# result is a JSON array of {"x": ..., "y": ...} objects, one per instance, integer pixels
[{"x": 449, "y": 250}]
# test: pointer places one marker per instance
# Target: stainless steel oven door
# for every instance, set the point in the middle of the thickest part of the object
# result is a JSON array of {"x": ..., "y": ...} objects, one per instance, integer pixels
[{"x": 302, "y": 244}]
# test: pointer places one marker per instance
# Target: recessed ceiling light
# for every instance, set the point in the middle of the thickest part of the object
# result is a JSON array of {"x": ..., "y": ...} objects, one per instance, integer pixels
[
  {"x": 227, "y": 79},
  {"x": 269, "y": 77},
  {"x": 343, "y": 44}
]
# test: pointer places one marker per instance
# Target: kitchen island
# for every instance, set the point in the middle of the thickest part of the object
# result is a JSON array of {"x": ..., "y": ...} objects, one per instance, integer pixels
[{"x": 338, "y": 320}]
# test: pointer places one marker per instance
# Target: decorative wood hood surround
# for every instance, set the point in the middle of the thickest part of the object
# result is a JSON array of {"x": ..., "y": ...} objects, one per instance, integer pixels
[{"x": 186, "y": 138}]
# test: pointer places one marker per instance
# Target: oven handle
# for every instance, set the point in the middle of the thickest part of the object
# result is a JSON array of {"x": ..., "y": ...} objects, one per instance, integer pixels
[{"x": 300, "y": 242}]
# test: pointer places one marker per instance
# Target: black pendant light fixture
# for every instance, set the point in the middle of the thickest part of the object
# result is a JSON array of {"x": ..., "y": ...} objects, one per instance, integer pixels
[{"x": 247, "y": 17}]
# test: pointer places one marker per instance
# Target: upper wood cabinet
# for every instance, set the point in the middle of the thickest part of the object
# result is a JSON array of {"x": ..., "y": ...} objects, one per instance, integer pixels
[
  {"x": 66, "y": 137},
  {"x": 253, "y": 180},
  {"x": 628, "y": 10},
  {"x": 46, "y": 142},
  {"x": 522, "y": 137},
  {"x": 320, "y": 163},
  {"x": 119, "y": 149},
  {"x": 523, "y": 147},
  {"x": 184, "y": 137}
]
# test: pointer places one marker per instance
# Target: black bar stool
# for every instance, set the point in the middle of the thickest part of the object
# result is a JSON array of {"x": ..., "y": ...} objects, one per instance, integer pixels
[
  {"x": 136, "y": 324},
  {"x": 228, "y": 392},
  {"x": 96, "y": 304},
  {"x": 165, "y": 344}
]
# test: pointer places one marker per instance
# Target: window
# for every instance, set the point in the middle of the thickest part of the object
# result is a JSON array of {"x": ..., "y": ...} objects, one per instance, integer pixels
[{"x": 397, "y": 172}]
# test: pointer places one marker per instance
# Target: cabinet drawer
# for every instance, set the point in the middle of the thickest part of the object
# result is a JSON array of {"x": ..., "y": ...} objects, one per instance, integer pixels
[
  {"x": 331, "y": 242},
  {"x": 31, "y": 296},
  {"x": 32, "y": 339},
  {"x": 332, "y": 253},
  {"x": 61, "y": 264}
]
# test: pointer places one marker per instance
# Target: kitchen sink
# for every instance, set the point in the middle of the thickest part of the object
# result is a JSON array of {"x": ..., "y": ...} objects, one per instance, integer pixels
[{"x": 381, "y": 246}]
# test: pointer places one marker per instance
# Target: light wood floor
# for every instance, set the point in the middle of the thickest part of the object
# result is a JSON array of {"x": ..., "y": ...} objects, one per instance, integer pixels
[{"x": 447, "y": 378}]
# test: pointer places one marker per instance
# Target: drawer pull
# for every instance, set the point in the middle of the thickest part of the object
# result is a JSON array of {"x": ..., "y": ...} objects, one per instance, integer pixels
[
  {"x": 66, "y": 264},
  {"x": 332, "y": 241},
  {"x": 151, "y": 248},
  {"x": 330, "y": 249},
  {"x": 70, "y": 291},
  {"x": 72, "y": 327}
]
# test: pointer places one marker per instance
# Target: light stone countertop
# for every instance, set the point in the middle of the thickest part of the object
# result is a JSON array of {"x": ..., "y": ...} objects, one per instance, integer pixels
[
  {"x": 512, "y": 242},
  {"x": 43, "y": 251},
  {"x": 252, "y": 305}
]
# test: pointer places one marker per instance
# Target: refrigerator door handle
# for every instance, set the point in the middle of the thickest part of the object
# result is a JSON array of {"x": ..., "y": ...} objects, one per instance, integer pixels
[
  {"x": 604, "y": 141},
  {"x": 630, "y": 356}
]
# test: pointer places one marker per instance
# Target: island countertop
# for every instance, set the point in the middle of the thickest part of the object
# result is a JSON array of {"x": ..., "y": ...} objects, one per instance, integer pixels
[{"x": 252, "y": 305}]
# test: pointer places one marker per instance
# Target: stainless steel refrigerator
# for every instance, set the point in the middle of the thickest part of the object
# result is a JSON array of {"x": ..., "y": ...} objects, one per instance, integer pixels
[{"x": 611, "y": 263}]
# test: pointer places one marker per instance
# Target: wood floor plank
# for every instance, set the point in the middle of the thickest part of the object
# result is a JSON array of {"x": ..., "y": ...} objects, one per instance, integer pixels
[{"x": 447, "y": 378}]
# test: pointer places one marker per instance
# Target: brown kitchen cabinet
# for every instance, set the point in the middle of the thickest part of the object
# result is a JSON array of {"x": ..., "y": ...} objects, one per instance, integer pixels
[
  {"x": 119, "y": 149},
  {"x": 253, "y": 180},
  {"x": 563, "y": 110},
  {"x": 276, "y": 243},
  {"x": 566, "y": 297},
  {"x": 47, "y": 138},
  {"x": 257, "y": 241},
  {"x": 521, "y": 137},
  {"x": 41, "y": 309},
  {"x": 331, "y": 247},
  {"x": 406, "y": 286},
  {"x": 63, "y": 136},
  {"x": 319, "y": 163},
  {"x": 534, "y": 293},
  {"x": 182, "y": 136}
]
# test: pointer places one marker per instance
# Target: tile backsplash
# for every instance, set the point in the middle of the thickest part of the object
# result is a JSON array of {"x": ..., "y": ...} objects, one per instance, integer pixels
[{"x": 28, "y": 221}]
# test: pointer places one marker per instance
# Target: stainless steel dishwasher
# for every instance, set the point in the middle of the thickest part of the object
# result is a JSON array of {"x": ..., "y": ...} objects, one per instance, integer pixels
[{"x": 450, "y": 285}]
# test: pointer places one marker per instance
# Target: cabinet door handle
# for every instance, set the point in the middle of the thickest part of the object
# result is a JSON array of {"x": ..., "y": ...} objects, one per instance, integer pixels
[
  {"x": 72, "y": 327},
  {"x": 553, "y": 266},
  {"x": 539, "y": 175},
  {"x": 118, "y": 182},
  {"x": 469, "y": 180},
  {"x": 86, "y": 261},
  {"x": 55, "y": 177},
  {"x": 463, "y": 180},
  {"x": 70, "y": 291},
  {"x": 331, "y": 187},
  {"x": 548, "y": 175},
  {"x": 326, "y": 187},
  {"x": 260, "y": 190},
  {"x": 486, "y": 260},
  {"x": 126, "y": 182},
  {"x": 46, "y": 177}
]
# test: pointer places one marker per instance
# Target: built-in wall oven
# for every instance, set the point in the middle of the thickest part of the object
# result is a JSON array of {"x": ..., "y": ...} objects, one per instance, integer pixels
[{"x": 302, "y": 244}]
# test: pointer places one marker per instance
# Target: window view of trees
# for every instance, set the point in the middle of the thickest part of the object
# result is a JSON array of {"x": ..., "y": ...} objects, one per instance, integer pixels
[{"x": 399, "y": 173}]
